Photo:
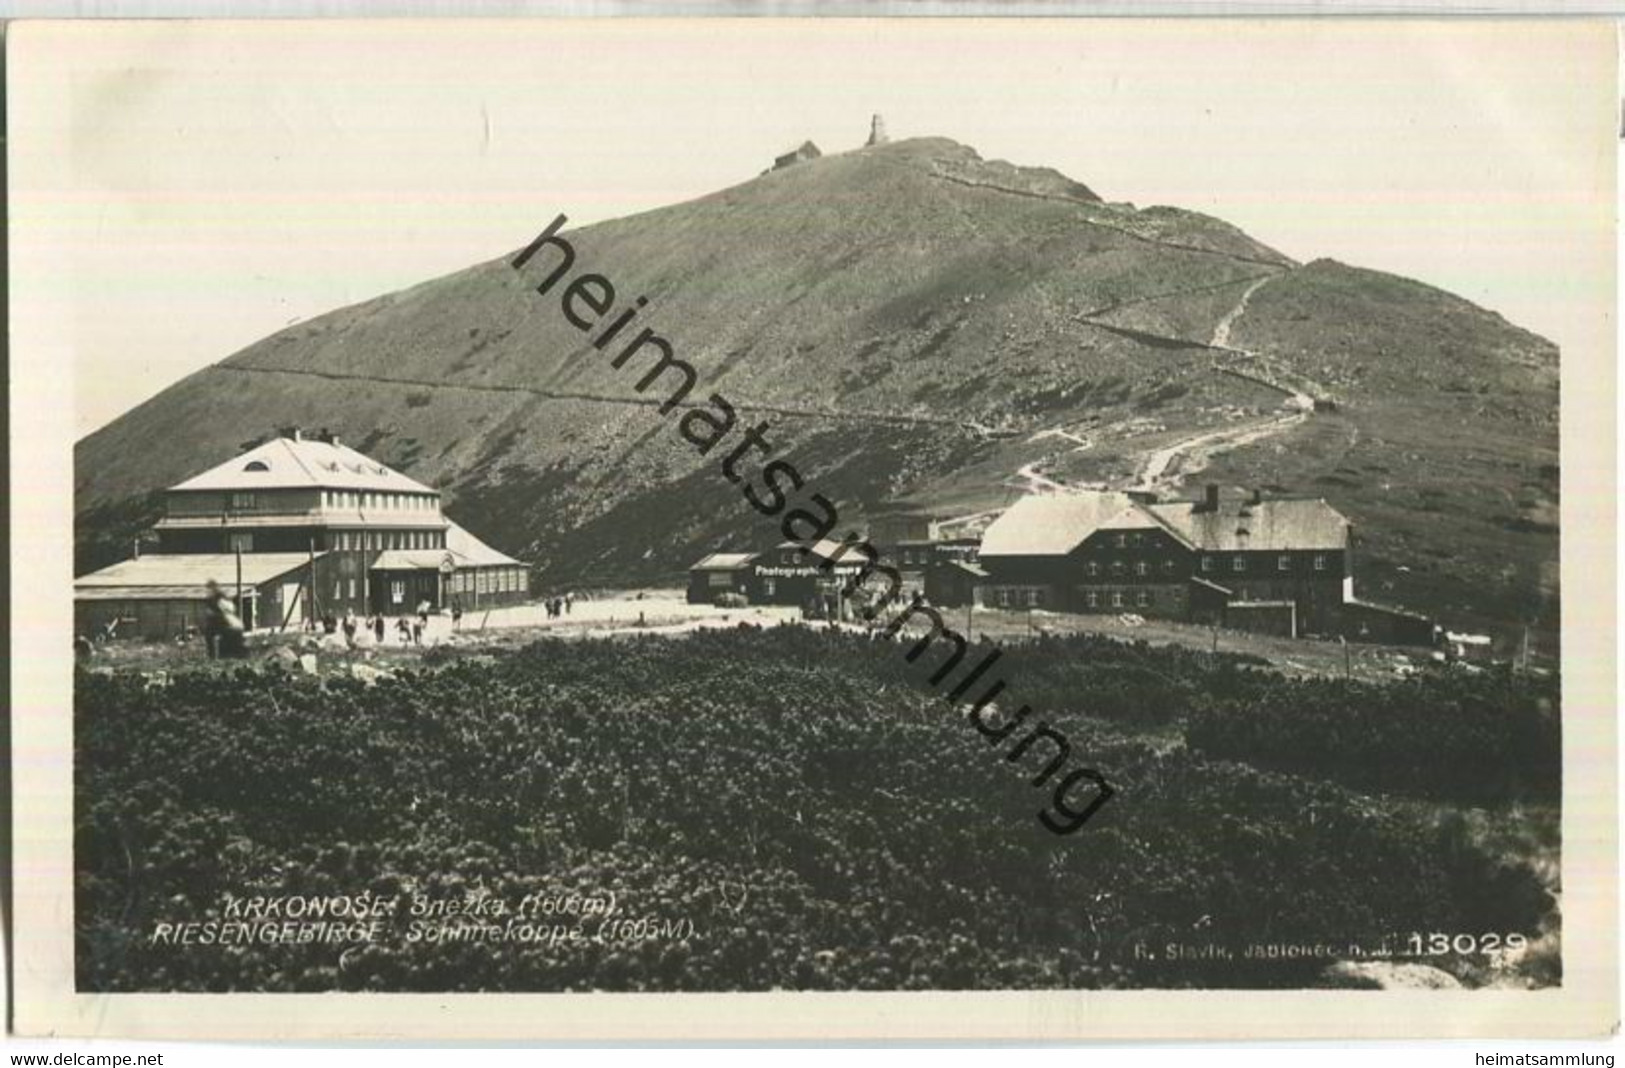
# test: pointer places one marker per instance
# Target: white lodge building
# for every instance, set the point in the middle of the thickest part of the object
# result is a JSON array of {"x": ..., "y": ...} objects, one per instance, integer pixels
[{"x": 318, "y": 528}]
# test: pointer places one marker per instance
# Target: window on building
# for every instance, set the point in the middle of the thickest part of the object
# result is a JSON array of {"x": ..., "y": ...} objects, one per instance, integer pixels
[
  {"x": 1320, "y": 561},
  {"x": 770, "y": 587},
  {"x": 1168, "y": 567},
  {"x": 1035, "y": 598},
  {"x": 1004, "y": 598},
  {"x": 397, "y": 591},
  {"x": 1207, "y": 563},
  {"x": 1238, "y": 563},
  {"x": 1117, "y": 567},
  {"x": 1142, "y": 568},
  {"x": 1142, "y": 599},
  {"x": 1094, "y": 568},
  {"x": 242, "y": 500},
  {"x": 1122, "y": 540},
  {"x": 338, "y": 589},
  {"x": 256, "y": 465},
  {"x": 1092, "y": 599},
  {"x": 1137, "y": 539},
  {"x": 241, "y": 543},
  {"x": 1283, "y": 562},
  {"x": 1117, "y": 598},
  {"x": 352, "y": 589}
]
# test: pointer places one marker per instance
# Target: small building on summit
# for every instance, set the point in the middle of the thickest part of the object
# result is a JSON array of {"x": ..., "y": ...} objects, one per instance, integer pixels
[
  {"x": 320, "y": 529},
  {"x": 805, "y": 152}
]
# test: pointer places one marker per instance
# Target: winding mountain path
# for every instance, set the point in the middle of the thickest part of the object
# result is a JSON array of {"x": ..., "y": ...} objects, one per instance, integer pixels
[
  {"x": 1169, "y": 465},
  {"x": 1221, "y": 330}
]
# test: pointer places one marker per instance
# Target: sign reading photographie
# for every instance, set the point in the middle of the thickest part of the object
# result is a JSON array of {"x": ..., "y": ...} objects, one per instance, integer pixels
[{"x": 860, "y": 569}]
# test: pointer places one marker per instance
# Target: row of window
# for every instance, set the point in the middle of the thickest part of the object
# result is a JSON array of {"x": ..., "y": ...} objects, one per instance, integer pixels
[
  {"x": 1237, "y": 564},
  {"x": 489, "y": 580},
  {"x": 1142, "y": 567},
  {"x": 1282, "y": 563},
  {"x": 1005, "y": 597},
  {"x": 1142, "y": 599},
  {"x": 408, "y": 502},
  {"x": 350, "y": 540}
]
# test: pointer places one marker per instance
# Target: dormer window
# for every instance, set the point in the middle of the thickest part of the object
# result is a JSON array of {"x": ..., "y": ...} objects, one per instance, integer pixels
[{"x": 256, "y": 465}]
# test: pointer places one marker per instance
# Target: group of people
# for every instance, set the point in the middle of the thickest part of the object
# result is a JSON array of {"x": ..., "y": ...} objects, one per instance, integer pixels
[
  {"x": 559, "y": 606},
  {"x": 408, "y": 629}
]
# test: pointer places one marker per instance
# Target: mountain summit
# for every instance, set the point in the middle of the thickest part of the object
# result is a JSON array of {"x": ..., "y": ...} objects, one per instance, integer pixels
[{"x": 917, "y": 324}]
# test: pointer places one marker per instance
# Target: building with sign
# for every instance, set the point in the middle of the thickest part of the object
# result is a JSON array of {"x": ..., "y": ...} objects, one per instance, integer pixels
[
  {"x": 317, "y": 528},
  {"x": 817, "y": 577}
]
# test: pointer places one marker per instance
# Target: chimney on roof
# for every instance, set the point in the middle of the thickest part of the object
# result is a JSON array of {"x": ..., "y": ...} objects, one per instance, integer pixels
[
  {"x": 1210, "y": 499},
  {"x": 292, "y": 432},
  {"x": 328, "y": 437}
]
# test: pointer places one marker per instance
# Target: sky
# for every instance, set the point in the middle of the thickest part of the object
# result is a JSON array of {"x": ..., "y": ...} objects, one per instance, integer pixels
[{"x": 181, "y": 190}]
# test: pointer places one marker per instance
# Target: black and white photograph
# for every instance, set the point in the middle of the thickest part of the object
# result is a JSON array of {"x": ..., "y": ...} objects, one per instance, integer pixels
[{"x": 811, "y": 507}]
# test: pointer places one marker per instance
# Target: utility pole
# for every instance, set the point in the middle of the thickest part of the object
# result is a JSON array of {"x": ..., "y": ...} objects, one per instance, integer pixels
[
  {"x": 239, "y": 580},
  {"x": 1348, "y": 662},
  {"x": 311, "y": 579}
]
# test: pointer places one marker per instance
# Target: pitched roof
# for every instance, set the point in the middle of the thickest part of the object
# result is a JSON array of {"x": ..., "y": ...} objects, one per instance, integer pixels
[
  {"x": 183, "y": 575},
  {"x": 723, "y": 562},
  {"x": 1051, "y": 524},
  {"x": 473, "y": 552},
  {"x": 1137, "y": 517},
  {"x": 284, "y": 463},
  {"x": 1266, "y": 526},
  {"x": 824, "y": 549},
  {"x": 413, "y": 560}
]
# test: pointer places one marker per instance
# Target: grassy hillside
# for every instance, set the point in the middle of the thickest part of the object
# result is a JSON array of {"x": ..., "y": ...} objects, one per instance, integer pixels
[{"x": 906, "y": 318}]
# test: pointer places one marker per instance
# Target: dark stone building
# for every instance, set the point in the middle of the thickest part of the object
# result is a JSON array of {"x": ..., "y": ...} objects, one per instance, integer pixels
[{"x": 1279, "y": 565}]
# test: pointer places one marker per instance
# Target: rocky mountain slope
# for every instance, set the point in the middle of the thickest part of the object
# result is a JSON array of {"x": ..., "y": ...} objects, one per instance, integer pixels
[{"x": 914, "y": 323}]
